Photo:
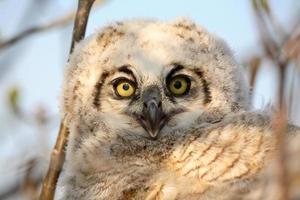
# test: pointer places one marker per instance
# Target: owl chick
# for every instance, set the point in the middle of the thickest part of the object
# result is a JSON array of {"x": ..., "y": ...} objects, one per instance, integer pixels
[{"x": 159, "y": 110}]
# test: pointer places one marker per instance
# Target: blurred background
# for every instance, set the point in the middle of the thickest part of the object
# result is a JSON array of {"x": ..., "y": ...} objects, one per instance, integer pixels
[{"x": 35, "y": 37}]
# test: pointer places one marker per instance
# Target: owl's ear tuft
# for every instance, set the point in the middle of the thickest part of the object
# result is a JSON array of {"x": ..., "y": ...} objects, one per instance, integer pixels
[
  {"x": 184, "y": 23},
  {"x": 109, "y": 35},
  {"x": 81, "y": 74},
  {"x": 189, "y": 27}
]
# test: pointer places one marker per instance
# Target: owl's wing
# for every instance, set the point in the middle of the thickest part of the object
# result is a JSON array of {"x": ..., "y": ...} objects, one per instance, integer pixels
[
  {"x": 225, "y": 153},
  {"x": 269, "y": 184}
]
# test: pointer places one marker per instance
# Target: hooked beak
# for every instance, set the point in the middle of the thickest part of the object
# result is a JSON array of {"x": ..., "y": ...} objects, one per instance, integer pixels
[{"x": 152, "y": 118}]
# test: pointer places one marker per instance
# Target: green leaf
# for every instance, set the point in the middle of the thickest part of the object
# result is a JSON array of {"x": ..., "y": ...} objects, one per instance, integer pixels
[
  {"x": 265, "y": 6},
  {"x": 14, "y": 99},
  {"x": 255, "y": 5}
]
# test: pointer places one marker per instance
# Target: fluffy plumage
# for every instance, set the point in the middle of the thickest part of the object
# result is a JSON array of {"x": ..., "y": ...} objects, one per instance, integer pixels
[{"x": 206, "y": 144}]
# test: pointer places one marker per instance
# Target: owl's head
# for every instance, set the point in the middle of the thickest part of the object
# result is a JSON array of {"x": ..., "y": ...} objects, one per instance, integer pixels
[{"x": 147, "y": 77}]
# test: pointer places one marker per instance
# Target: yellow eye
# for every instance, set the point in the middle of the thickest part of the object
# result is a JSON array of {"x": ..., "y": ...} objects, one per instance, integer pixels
[
  {"x": 125, "y": 89},
  {"x": 179, "y": 85}
]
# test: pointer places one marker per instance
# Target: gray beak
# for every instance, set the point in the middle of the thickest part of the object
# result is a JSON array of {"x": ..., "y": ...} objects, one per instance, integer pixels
[{"x": 153, "y": 117}]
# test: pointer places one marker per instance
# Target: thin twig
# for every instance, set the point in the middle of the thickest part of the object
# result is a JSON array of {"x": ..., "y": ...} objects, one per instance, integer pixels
[
  {"x": 29, "y": 186},
  {"x": 279, "y": 126},
  {"x": 292, "y": 46},
  {"x": 60, "y": 22},
  {"x": 81, "y": 21},
  {"x": 37, "y": 29},
  {"x": 55, "y": 166},
  {"x": 272, "y": 47},
  {"x": 28, "y": 183},
  {"x": 58, "y": 153},
  {"x": 291, "y": 96},
  {"x": 255, "y": 63}
]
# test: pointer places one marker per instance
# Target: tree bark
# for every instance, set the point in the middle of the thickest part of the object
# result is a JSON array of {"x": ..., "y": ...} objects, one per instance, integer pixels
[{"x": 58, "y": 153}]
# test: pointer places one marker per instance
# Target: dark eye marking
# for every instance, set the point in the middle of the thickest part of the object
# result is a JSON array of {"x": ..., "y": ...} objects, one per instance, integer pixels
[
  {"x": 199, "y": 73},
  {"x": 206, "y": 90},
  {"x": 98, "y": 88},
  {"x": 177, "y": 67},
  {"x": 126, "y": 69}
]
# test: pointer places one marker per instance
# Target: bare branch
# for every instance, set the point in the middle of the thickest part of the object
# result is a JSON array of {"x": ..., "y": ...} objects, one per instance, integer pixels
[
  {"x": 58, "y": 153},
  {"x": 254, "y": 64},
  {"x": 81, "y": 21},
  {"x": 28, "y": 184},
  {"x": 60, "y": 22},
  {"x": 281, "y": 59},
  {"x": 279, "y": 128},
  {"x": 40, "y": 28},
  {"x": 55, "y": 166},
  {"x": 292, "y": 45}
]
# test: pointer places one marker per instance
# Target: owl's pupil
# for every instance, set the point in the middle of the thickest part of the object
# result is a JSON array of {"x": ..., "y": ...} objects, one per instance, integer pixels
[
  {"x": 177, "y": 84},
  {"x": 125, "y": 86}
]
